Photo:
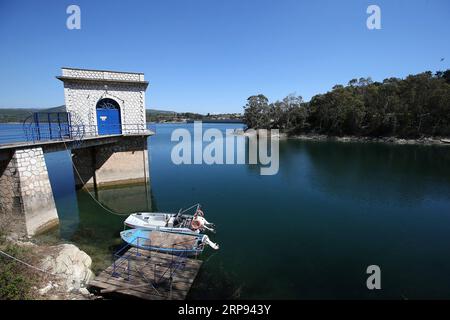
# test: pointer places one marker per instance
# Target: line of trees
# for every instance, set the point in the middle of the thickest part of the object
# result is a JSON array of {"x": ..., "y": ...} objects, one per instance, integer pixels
[
  {"x": 416, "y": 106},
  {"x": 153, "y": 116}
]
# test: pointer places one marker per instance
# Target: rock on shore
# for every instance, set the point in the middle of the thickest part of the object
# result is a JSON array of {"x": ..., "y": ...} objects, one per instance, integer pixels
[
  {"x": 71, "y": 265},
  {"x": 64, "y": 270},
  {"x": 265, "y": 133}
]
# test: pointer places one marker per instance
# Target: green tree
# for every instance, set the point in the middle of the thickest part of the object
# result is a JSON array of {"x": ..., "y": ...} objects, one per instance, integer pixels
[{"x": 256, "y": 112}]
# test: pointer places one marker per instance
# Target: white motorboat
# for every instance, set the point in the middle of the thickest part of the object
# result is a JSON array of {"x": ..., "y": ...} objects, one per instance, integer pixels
[{"x": 171, "y": 222}]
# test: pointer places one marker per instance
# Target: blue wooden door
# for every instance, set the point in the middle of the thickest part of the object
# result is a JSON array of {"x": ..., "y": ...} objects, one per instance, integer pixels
[{"x": 108, "y": 121}]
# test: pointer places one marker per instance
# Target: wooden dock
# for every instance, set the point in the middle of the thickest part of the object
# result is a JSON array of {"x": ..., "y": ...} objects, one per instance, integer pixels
[{"x": 146, "y": 275}]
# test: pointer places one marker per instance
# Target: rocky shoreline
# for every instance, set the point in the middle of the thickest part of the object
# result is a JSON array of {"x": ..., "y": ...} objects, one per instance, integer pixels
[
  {"x": 444, "y": 141},
  {"x": 64, "y": 270},
  {"x": 389, "y": 140}
]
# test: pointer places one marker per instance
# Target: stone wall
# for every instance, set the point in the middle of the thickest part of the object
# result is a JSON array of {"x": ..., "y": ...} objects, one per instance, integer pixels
[
  {"x": 102, "y": 74},
  {"x": 11, "y": 218},
  {"x": 27, "y": 204}
]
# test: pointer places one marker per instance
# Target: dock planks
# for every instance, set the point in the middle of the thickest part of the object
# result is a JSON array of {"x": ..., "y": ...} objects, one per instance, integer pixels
[{"x": 149, "y": 276}]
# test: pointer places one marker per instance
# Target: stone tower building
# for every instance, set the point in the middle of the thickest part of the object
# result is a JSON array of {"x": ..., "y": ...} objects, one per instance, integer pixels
[
  {"x": 108, "y": 103},
  {"x": 105, "y": 102}
]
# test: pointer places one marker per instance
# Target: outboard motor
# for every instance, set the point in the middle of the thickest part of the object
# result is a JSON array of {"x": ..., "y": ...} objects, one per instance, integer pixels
[{"x": 213, "y": 245}]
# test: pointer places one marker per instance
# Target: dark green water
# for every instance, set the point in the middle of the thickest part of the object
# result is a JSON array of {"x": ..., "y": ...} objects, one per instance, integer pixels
[{"x": 308, "y": 232}]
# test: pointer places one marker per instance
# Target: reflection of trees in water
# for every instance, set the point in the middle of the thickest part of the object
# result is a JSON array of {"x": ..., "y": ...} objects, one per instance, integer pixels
[
  {"x": 153, "y": 204},
  {"x": 256, "y": 168},
  {"x": 383, "y": 171}
]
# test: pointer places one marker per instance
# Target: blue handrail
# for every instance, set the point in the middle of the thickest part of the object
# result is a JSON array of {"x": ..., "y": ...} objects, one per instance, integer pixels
[{"x": 128, "y": 252}]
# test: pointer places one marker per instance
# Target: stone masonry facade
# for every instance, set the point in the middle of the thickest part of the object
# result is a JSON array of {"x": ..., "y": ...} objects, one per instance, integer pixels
[
  {"x": 10, "y": 197},
  {"x": 84, "y": 88},
  {"x": 27, "y": 205}
]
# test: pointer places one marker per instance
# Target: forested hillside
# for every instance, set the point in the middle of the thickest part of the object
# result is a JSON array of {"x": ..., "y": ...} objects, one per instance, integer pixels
[{"x": 416, "y": 106}]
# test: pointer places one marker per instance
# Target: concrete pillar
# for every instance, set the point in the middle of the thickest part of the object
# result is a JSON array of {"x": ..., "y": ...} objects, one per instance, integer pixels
[
  {"x": 27, "y": 205},
  {"x": 124, "y": 162}
]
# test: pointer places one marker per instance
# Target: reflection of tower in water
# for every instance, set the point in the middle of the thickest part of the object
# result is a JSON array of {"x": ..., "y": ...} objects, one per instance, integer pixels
[{"x": 127, "y": 198}]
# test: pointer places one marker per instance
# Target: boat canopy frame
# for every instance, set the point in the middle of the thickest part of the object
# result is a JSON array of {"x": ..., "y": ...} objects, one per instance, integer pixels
[
  {"x": 197, "y": 207},
  {"x": 122, "y": 264}
]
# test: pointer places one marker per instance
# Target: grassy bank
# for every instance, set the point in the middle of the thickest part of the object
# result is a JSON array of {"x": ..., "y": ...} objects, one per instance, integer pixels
[{"x": 16, "y": 280}]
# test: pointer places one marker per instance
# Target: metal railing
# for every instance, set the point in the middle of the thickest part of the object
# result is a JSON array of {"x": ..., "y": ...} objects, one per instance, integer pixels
[
  {"x": 130, "y": 252},
  {"x": 14, "y": 133},
  {"x": 113, "y": 129},
  {"x": 80, "y": 132}
]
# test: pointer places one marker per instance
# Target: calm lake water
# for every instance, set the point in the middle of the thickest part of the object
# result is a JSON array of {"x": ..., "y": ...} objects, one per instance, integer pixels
[{"x": 308, "y": 232}]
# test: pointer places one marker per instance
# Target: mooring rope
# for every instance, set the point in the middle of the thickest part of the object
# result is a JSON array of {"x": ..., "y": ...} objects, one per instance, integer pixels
[
  {"x": 87, "y": 190},
  {"x": 81, "y": 179},
  {"x": 27, "y": 264}
]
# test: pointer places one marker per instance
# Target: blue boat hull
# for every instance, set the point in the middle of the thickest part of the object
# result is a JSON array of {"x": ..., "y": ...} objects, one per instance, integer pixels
[{"x": 166, "y": 242}]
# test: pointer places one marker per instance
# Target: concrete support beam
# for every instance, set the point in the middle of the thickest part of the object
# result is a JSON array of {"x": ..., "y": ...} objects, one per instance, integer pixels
[
  {"x": 27, "y": 206},
  {"x": 84, "y": 167},
  {"x": 125, "y": 162}
]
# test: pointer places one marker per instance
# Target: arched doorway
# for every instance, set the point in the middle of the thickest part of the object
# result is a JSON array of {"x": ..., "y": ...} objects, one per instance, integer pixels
[{"x": 108, "y": 117}]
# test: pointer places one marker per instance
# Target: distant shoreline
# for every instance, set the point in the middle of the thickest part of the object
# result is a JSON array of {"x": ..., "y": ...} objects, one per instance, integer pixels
[
  {"x": 388, "y": 140},
  {"x": 217, "y": 121},
  {"x": 322, "y": 137},
  {"x": 192, "y": 121},
  {"x": 170, "y": 122}
]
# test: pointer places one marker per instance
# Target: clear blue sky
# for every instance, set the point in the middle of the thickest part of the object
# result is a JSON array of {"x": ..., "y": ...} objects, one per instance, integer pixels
[{"x": 210, "y": 55}]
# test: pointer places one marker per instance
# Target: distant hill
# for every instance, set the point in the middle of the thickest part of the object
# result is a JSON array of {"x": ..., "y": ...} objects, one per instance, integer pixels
[
  {"x": 155, "y": 111},
  {"x": 15, "y": 114},
  {"x": 56, "y": 109},
  {"x": 20, "y": 114}
]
